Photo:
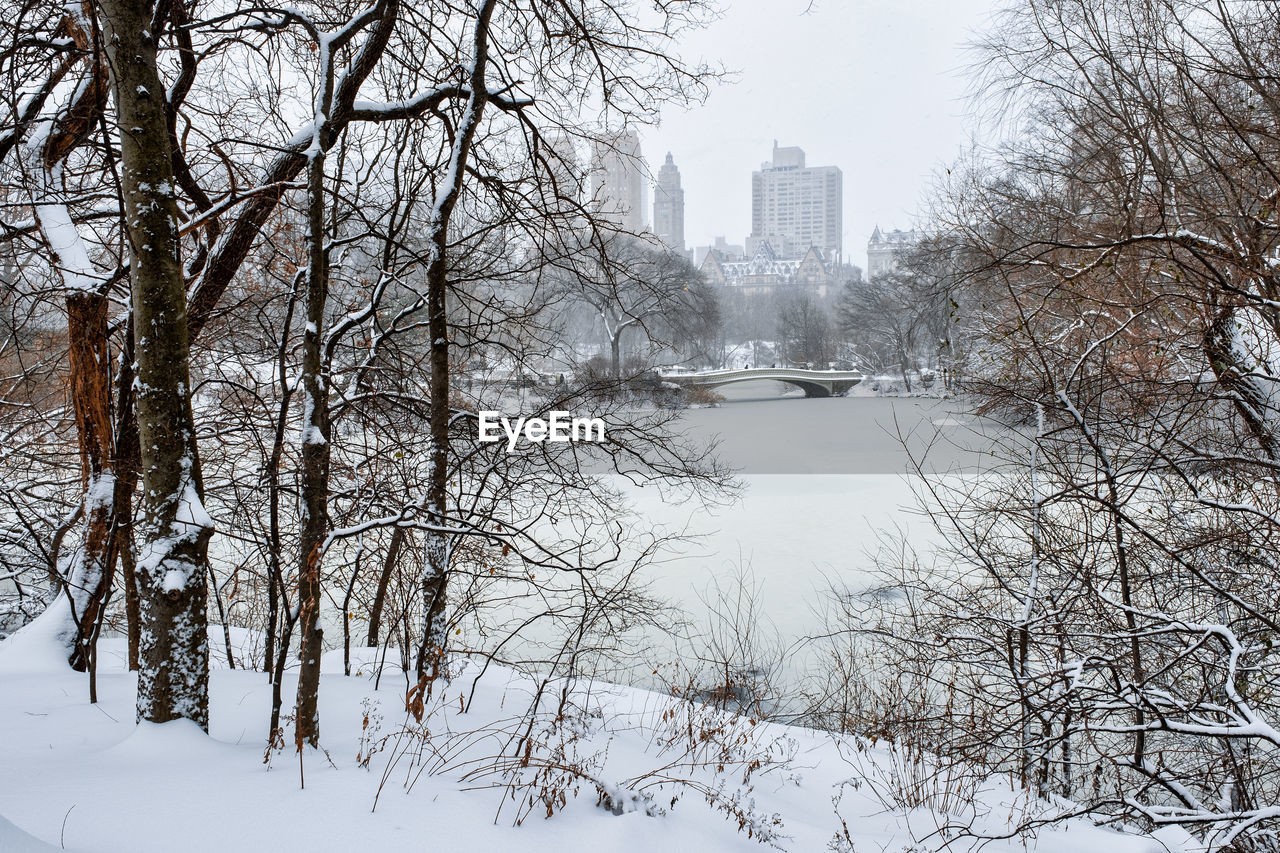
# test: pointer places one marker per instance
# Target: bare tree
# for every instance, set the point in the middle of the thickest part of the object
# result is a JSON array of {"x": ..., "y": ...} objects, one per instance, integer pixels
[
  {"x": 899, "y": 320},
  {"x": 1109, "y": 597},
  {"x": 324, "y": 270},
  {"x": 633, "y": 285},
  {"x": 804, "y": 331}
]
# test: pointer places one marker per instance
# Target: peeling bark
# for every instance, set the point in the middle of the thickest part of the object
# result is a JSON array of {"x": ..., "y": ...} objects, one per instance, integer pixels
[{"x": 90, "y": 364}]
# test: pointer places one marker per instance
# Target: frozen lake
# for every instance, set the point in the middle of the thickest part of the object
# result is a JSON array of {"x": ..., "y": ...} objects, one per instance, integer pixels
[
  {"x": 766, "y": 429},
  {"x": 825, "y": 481}
]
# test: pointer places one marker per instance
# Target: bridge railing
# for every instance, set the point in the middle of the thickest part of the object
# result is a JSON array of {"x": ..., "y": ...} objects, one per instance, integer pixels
[{"x": 765, "y": 373}]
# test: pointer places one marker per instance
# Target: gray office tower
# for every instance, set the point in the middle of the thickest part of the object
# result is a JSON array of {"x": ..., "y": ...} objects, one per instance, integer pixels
[
  {"x": 618, "y": 184},
  {"x": 668, "y": 207}
]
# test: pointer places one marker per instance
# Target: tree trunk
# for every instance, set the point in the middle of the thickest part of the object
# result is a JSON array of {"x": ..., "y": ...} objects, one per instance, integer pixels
[
  {"x": 1237, "y": 379},
  {"x": 173, "y": 678},
  {"x": 906, "y": 366},
  {"x": 435, "y": 579},
  {"x": 86, "y": 582},
  {"x": 380, "y": 597},
  {"x": 128, "y": 465},
  {"x": 275, "y": 570},
  {"x": 90, "y": 368},
  {"x": 315, "y": 464}
]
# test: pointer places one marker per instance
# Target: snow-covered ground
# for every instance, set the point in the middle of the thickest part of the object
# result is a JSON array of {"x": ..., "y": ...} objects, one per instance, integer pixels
[{"x": 84, "y": 777}]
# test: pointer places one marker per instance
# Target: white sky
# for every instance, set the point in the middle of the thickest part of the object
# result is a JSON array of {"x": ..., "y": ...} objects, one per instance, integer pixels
[{"x": 872, "y": 86}]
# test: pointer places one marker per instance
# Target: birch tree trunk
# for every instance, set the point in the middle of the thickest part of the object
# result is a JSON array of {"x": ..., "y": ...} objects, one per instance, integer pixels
[{"x": 173, "y": 678}]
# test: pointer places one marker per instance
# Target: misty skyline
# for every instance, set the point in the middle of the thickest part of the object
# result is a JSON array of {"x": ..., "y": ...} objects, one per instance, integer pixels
[{"x": 874, "y": 87}]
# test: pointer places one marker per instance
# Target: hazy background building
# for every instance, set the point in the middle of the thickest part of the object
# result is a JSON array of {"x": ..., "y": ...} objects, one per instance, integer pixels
[
  {"x": 726, "y": 250},
  {"x": 566, "y": 169},
  {"x": 618, "y": 181},
  {"x": 884, "y": 250},
  {"x": 794, "y": 206},
  {"x": 668, "y": 206}
]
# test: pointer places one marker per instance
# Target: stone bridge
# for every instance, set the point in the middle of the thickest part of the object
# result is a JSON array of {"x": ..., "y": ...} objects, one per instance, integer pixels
[{"x": 814, "y": 383}]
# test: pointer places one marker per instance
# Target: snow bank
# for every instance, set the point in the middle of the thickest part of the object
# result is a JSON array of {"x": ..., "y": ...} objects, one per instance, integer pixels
[
  {"x": 87, "y": 776},
  {"x": 14, "y": 840},
  {"x": 40, "y": 645}
]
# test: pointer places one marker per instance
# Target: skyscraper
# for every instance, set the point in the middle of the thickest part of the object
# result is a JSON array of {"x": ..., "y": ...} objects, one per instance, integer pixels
[
  {"x": 794, "y": 206},
  {"x": 566, "y": 168},
  {"x": 668, "y": 206},
  {"x": 618, "y": 185}
]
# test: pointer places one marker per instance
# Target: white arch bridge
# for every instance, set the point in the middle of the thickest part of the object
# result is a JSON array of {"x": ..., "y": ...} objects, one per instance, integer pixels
[{"x": 814, "y": 383}]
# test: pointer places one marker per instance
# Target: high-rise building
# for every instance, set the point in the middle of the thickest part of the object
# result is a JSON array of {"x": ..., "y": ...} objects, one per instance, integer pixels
[
  {"x": 668, "y": 206},
  {"x": 566, "y": 168},
  {"x": 618, "y": 183},
  {"x": 885, "y": 249},
  {"x": 794, "y": 207}
]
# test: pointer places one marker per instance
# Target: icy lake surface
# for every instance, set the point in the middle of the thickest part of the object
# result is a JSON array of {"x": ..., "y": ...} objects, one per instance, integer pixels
[{"x": 826, "y": 481}]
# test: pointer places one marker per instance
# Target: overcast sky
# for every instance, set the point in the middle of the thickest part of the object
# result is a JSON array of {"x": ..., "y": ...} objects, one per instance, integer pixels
[{"x": 872, "y": 86}]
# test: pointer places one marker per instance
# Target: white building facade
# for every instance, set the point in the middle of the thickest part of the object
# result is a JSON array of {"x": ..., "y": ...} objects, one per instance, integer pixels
[
  {"x": 794, "y": 206},
  {"x": 884, "y": 250}
]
